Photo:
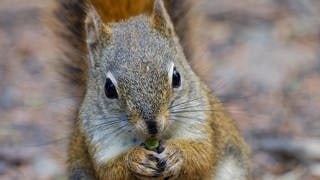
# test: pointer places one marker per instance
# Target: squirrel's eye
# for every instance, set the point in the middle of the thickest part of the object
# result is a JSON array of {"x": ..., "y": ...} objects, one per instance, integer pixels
[
  {"x": 176, "y": 80},
  {"x": 110, "y": 89}
]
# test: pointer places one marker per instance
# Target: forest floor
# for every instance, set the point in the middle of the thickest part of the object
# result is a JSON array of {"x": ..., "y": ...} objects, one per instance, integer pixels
[{"x": 261, "y": 57}]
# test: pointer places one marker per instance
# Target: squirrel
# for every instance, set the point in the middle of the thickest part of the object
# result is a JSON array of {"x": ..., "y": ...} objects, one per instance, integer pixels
[{"x": 126, "y": 62}]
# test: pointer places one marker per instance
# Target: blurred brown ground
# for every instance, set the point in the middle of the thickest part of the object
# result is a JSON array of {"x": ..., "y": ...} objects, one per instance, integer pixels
[{"x": 261, "y": 57}]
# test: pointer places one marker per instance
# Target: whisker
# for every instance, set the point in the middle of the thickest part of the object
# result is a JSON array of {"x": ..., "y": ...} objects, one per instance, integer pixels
[
  {"x": 108, "y": 126},
  {"x": 108, "y": 122},
  {"x": 122, "y": 129},
  {"x": 187, "y": 117},
  {"x": 175, "y": 101},
  {"x": 185, "y": 102},
  {"x": 179, "y": 122},
  {"x": 116, "y": 132},
  {"x": 199, "y": 104},
  {"x": 193, "y": 106},
  {"x": 104, "y": 125},
  {"x": 190, "y": 111}
]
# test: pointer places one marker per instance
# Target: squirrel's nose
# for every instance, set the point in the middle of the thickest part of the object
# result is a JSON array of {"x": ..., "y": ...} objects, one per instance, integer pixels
[{"x": 152, "y": 127}]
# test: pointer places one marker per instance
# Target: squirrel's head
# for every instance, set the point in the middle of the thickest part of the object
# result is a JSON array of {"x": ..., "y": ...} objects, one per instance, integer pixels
[{"x": 137, "y": 70}]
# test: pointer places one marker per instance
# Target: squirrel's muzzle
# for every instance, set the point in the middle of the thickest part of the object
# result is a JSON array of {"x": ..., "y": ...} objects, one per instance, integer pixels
[{"x": 152, "y": 127}]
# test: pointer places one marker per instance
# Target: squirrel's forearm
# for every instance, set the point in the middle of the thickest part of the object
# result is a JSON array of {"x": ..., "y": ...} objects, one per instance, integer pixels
[
  {"x": 199, "y": 159},
  {"x": 114, "y": 169}
]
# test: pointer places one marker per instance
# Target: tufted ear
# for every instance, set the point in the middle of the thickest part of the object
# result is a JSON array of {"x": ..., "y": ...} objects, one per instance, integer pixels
[
  {"x": 160, "y": 19},
  {"x": 96, "y": 31},
  {"x": 93, "y": 28}
]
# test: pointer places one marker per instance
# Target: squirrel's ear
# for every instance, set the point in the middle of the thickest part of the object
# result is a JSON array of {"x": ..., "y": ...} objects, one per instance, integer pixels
[
  {"x": 95, "y": 30},
  {"x": 160, "y": 19}
]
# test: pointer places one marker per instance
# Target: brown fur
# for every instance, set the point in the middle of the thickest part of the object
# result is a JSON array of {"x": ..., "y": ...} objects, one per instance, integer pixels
[{"x": 79, "y": 157}]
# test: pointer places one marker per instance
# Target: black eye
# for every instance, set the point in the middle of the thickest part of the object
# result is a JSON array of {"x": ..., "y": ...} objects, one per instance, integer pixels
[
  {"x": 176, "y": 80},
  {"x": 110, "y": 89}
]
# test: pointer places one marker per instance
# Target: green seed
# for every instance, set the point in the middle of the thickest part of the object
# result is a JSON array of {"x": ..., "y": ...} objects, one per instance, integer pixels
[{"x": 151, "y": 143}]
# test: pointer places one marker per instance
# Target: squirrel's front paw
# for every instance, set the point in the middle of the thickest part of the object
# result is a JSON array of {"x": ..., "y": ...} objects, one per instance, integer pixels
[
  {"x": 147, "y": 164},
  {"x": 172, "y": 160}
]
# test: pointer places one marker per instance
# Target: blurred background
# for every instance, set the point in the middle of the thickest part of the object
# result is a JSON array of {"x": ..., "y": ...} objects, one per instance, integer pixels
[{"x": 261, "y": 57}]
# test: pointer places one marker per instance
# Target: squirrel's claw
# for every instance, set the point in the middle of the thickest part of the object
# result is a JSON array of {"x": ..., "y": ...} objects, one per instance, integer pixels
[
  {"x": 147, "y": 164},
  {"x": 173, "y": 158},
  {"x": 143, "y": 163}
]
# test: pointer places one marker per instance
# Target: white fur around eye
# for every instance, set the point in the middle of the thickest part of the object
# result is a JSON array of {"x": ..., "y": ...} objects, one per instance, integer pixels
[
  {"x": 111, "y": 77},
  {"x": 171, "y": 67}
]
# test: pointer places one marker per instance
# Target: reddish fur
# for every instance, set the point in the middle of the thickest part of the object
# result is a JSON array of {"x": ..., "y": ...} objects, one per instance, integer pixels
[{"x": 116, "y": 10}]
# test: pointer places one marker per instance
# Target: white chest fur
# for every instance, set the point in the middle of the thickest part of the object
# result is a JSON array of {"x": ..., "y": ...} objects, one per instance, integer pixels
[{"x": 108, "y": 147}]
